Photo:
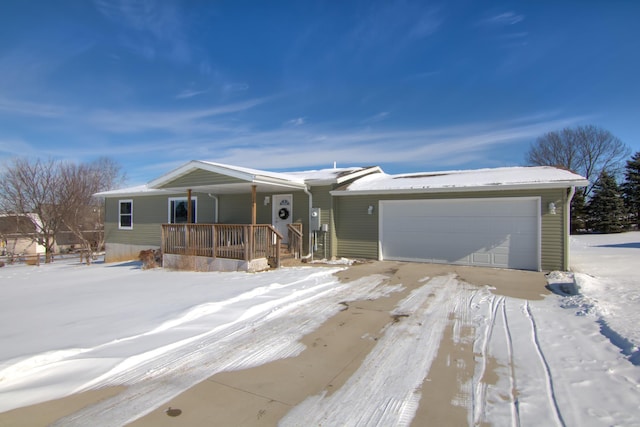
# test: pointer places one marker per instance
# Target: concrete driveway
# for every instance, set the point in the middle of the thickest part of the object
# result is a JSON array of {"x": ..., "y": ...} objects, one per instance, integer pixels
[
  {"x": 265, "y": 394},
  {"x": 272, "y": 393}
]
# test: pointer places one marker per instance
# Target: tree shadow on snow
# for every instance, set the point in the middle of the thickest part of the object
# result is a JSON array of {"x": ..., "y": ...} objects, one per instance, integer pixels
[
  {"x": 134, "y": 265},
  {"x": 626, "y": 347},
  {"x": 635, "y": 245}
]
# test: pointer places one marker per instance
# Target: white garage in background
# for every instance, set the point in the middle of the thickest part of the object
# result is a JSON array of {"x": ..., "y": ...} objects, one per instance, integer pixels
[{"x": 494, "y": 232}]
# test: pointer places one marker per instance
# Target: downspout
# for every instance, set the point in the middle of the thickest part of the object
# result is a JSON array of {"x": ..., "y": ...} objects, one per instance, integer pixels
[
  {"x": 567, "y": 221},
  {"x": 189, "y": 206},
  {"x": 306, "y": 190},
  {"x": 215, "y": 211}
]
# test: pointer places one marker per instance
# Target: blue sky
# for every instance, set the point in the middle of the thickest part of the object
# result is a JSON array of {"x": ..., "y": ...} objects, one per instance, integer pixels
[{"x": 407, "y": 85}]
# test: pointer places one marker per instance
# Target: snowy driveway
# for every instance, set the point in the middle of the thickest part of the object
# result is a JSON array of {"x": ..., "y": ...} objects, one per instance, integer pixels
[{"x": 449, "y": 349}]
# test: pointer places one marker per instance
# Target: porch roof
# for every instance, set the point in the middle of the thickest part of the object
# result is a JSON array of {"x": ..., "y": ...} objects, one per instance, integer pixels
[{"x": 218, "y": 178}]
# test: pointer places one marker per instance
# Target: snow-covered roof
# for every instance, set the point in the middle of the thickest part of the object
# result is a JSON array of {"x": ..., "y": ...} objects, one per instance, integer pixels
[
  {"x": 366, "y": 180},
  {"x": 461, "y": 180},
  {"x": 333, "y": 175},
  {"x": 266, "y": 180},
  {"x": 138, "y": 190}
]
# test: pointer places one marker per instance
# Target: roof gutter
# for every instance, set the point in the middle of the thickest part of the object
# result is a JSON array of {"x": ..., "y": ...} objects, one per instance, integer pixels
[
  {"x": 267, "y": 181},
  {"x": 535, "y": 186}
]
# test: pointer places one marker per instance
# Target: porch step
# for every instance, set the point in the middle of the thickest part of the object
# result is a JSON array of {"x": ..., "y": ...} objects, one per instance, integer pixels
[{"x": 287, "y": 258}]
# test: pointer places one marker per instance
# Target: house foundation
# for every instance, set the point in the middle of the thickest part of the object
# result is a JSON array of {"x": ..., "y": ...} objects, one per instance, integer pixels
[{"x": 201, "y": 263}]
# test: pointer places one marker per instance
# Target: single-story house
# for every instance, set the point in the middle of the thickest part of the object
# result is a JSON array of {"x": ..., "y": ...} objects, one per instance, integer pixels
[
  {"x": 19, "y": 235},
  {"x": 512, "y": 217}
]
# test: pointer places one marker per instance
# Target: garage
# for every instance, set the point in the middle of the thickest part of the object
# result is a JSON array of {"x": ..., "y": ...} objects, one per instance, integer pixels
[{"x": 493, "y": 232}]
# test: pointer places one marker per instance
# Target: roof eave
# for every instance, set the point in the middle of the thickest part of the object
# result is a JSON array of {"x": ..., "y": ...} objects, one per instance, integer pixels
[
  {"x": 117, "y": 193},
  {"x": 197, "y": 164},
  {"x": 224, "y": 170},
  {"x": 500, "y": 187}
]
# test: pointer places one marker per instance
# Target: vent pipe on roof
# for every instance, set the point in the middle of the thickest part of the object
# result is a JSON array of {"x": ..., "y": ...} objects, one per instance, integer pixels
[{"x": 335, "y": 165}]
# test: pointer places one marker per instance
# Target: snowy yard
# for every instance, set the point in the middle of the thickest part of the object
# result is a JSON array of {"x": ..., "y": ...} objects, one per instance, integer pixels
[{"x": 562, "y": 360}]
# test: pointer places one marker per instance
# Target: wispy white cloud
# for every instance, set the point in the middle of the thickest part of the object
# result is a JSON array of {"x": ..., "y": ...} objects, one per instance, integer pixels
[
  {"x": 383, "y": 115},
  {"x": 155, "y": 28},
  {"x": 298, "y": 121},
  {"x": 26, "y": 108},
  {"x": 396, "y": 22},
  {"x": 171, "y": 121},
  {"x": 145, "y": 138},
  {"x": 234, "y": 87},
  {"x": 190, "y": 93},
  {"x": 506, "y": 18},
  {"x": 314, "y": 146},
  {"x": 428, "y": 23},
  {"x": 15, "y": 148}
]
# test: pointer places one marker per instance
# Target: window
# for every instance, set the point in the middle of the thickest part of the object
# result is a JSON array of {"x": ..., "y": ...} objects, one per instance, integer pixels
[
  {"x": 178, "y": 210},
  {"x": 125, "y": 214}
]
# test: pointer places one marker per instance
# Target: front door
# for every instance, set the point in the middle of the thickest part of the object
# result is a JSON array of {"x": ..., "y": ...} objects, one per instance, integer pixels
[{"x": 282, "y": 214}]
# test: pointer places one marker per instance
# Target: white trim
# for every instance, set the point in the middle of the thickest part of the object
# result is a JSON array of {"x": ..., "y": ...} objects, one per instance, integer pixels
[
  {"x": 182, "y": 198},
  {"x": 120, "y": 202},
  {"x": 471, "y": 189},
  {"x": 244, "y": 174},
  {"x": 537, "y": 199}
]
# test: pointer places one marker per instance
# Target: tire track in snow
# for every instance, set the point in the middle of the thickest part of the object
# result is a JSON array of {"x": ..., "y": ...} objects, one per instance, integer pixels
[
  {"x": 390, "y": 377},
  {"x": 479, "y": 391},
  {"x": 548, "y": 377},
  {"x": 515, "y": 408},
  {"x": 494, "y": 379},
  {"x": 269, "y": 333}
]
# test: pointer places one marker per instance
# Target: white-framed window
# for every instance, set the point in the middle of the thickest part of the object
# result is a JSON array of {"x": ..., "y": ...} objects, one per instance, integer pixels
[
  {"x": 125, "y": 214},
  {"x": 178, "y": 210}
]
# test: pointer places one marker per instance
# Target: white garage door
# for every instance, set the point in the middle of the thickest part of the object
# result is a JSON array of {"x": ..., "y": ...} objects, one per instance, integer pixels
[{"x": 502, "y": 232}]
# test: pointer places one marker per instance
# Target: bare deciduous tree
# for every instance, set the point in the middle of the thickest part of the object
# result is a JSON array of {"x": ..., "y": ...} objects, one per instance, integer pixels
[
  {"x": 61, "y": 195},
  {"x": 84, "y": 215},
  {"x": 586, "y": 150}
]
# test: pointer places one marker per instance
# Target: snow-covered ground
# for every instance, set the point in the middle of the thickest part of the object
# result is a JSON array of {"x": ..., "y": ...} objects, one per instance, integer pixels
[
  {"x": 564, "y": 360},
  {"x": 607, "y": 271}
]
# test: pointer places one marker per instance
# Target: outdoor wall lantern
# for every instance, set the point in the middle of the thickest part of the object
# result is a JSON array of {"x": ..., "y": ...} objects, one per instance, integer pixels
[
  {"x": 267, "y": 200},
  {"x": 552, "y": 208},
  {"x": 370, "y": 210}
]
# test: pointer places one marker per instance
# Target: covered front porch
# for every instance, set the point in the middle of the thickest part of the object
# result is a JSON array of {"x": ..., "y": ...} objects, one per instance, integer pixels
[
  {"x": 228, "y": 243},
  {"x": 227, "y": 247}
]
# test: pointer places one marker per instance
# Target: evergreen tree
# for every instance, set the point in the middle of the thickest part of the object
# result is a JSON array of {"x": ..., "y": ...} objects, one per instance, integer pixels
[
  {"x": 631, "y": 188},
  {"x": 579, "y": 213},
  {"x": 607, "y": 212}
]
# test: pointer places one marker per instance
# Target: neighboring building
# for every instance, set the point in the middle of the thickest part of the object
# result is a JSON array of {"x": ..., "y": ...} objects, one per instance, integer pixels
[
  {"x": 515, "y": 217},
  {"x": 19, "y": 235}
]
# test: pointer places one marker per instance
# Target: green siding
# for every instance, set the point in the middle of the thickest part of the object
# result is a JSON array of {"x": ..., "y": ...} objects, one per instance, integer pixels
[
  {"x": 357, "y": 232},
  {"x": 149, "y": 212},
  {"x": 236, "y": 209},
  {"x": 201, "y": 177},
  {"x": 352, "y": 233}
]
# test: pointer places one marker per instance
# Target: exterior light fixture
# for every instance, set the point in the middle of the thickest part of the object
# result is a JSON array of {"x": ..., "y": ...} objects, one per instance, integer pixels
[
  {"x": 370, "y": 210},
  {"x": 267, "y": 200},
  {"x": 552, "y": 208}
]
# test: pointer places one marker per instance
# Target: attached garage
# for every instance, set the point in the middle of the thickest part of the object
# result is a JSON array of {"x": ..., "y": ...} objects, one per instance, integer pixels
[
  {"x": 493, "y": 232},
  {"x": 515, "y": 217}
]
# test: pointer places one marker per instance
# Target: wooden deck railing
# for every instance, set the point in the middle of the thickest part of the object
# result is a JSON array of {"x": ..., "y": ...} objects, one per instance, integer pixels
[
  {"x": 295, "y": 239},
  {"x": 235, "y": 241}
]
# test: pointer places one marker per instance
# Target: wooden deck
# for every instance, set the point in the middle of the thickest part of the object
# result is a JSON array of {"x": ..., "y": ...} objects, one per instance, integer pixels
[{"x": 230, "y": 241}]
